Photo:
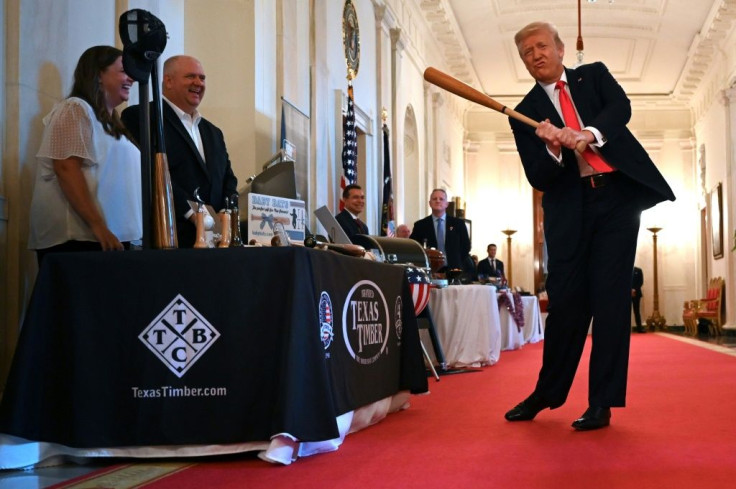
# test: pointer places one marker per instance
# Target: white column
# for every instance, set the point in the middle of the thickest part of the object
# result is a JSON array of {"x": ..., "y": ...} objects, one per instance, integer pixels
[{"x": 729, "y": 198}]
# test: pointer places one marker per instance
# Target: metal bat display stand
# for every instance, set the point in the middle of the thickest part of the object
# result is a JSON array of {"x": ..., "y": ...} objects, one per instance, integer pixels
[
  {"x": 159, "y": 225},
  {"x": 426, "y": 321},
  {"x": 429, "y": 361},
  {"x": 145, "y": 148}
]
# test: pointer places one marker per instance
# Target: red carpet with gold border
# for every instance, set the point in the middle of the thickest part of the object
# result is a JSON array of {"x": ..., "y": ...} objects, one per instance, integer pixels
[{"x": 676, "y": 432}]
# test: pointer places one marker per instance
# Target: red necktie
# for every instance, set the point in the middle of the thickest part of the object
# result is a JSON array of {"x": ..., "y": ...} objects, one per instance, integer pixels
[
  {"x": 571, "y": 121},
  {"x": 361, "y": 226}
]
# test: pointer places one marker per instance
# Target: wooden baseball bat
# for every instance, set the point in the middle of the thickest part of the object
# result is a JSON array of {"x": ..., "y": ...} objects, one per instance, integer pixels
[
  {"x": 346, "y": 249},
  {"x": 453, "y": 85}
]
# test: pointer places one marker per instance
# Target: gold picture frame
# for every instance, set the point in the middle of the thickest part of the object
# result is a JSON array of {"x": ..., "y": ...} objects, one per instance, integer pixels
[{"x": 715, "y": 218}]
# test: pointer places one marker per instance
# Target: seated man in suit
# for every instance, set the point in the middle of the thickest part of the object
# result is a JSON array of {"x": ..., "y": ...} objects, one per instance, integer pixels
[
  {"x": 354, "y": 199},
  {"x": 491, "y": 267},
  {"x": 403, "y": 231},
  {"x": 195, "y": 147},
  {"x": 446, "y": 233}
]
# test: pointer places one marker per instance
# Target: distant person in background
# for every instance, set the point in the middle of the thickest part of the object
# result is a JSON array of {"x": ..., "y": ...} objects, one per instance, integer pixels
[
  {"x": 348, "y": 219},
  {"x": 403, "y": 231},
  {"x": 491, "y": 267},
  {"x": 87, "y": 194},
  {"x": 446, "y": 233},
  {"x": 637, "y": 281}
]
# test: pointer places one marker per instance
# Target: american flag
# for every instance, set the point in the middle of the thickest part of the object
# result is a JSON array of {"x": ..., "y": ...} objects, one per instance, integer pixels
[
  {"x": 387, "y": 209},
  {"x": 419, "y": 284},
  {"x": 349, "y": 147}
]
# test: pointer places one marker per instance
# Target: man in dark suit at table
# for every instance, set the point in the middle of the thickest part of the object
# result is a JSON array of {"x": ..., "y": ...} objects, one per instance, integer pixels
[
  {"x": 195, "y": 147},
  {"x": 430, "y": 230},
  {"x": 491, "y": 267},
  {"x": 592, "y": 207},
  {"x": 354, "y": 200}
]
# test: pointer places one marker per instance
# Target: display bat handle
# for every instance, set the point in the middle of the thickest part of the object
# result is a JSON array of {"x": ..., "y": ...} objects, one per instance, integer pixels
[
  {"x": 225, "y": 225},
  {"x": 453, "y": 85},
  {"x": 346, "y": 249}
]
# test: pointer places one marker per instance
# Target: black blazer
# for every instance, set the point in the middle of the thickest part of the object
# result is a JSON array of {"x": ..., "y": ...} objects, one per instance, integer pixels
[
  {"x": 484, "y": 268},
  {"x": 457, "y": 242},
  {"x": 349, "y": 225},
  {"x": 215, "y": 179},
  {"x": 637, "y": 280},
  {"x": 601, "y": 103}
]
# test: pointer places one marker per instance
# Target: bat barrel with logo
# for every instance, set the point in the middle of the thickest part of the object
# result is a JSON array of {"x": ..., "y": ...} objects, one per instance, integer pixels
[
  {"x": 199, "y": 240},
  {"x": 236, "y": 241},
  {"x": 164, "y": 223}
]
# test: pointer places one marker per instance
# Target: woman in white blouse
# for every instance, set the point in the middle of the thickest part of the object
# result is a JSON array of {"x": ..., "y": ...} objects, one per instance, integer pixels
[{"x": 87, "y": 194}]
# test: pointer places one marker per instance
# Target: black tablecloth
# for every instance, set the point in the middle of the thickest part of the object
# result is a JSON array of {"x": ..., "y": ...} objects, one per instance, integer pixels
[{"x": 207, "y": 346}]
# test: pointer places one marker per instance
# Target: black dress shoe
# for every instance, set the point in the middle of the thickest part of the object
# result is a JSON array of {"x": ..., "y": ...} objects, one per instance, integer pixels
[
  {"x": 592, "y": 419},
  {"x": 527, "y": 409}
]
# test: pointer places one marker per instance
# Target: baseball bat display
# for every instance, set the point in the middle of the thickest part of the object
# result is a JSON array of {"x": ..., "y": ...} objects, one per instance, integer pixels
[
  {"x": 453, "y": 85},
  {"x": 346, "y": 249}
]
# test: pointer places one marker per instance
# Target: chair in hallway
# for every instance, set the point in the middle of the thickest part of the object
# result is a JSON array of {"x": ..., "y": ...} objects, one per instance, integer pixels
[{"x": 712, "y": 307}]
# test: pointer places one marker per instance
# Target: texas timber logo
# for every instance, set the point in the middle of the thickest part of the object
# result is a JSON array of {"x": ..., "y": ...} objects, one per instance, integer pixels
[
  {"x": 326, "y": 318},
  {"x": 365, "y": 324},
  {"x": 179, "y": 336}
]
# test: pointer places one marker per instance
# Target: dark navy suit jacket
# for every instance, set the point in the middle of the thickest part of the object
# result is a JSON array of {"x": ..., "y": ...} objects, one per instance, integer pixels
[
  {"x": 457, "y": 242},
  {"x": 601, "y": 103},
  {"x": 484, "y": 268},
  {"x": 350, "y": 225},
  {"x": 188, "y": 170}
]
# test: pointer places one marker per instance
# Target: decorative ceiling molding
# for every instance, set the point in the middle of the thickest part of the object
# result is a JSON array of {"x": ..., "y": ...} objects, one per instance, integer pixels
[
  {"x": 704, "y": 49},
  {"x": 441, "y": 20}
]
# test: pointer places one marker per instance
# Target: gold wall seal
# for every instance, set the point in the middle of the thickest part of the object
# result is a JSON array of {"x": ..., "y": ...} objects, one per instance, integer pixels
[{"x": 351, "y": 38}]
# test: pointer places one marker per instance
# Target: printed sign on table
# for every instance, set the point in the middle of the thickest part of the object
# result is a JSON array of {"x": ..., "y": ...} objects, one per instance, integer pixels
[{"x": 264, "y": 211}]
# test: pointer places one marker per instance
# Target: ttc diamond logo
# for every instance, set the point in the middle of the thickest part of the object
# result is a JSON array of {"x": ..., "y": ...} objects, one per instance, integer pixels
[{"x": 179, "y": 336}]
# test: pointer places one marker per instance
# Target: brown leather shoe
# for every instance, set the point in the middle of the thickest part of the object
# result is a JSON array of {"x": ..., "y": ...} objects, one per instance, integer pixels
[
  {"x": 592, "y": 419},
  {"x": 527, "y": 409}
]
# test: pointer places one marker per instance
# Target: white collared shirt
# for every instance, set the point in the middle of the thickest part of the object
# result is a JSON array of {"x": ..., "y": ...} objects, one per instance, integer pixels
[
  {"x": 191, "y": 124},
  {"x": 554, "y": 96},
  {"x": 551, "y": 91}
]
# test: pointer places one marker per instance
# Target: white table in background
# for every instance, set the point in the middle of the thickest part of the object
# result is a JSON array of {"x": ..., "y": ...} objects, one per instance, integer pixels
[
  {"x": 512, "y": 337},
  {"x": 468, "y": 324}
]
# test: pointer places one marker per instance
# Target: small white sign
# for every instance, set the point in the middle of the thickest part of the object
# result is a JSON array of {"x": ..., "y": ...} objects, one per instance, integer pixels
[
  {"x": 289, "y": 151},
  {"x": 264, "y": 211}
]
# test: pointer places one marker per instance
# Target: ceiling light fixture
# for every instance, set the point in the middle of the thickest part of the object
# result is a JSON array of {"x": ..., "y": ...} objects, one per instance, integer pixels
[{"x": 579, "y": 44}]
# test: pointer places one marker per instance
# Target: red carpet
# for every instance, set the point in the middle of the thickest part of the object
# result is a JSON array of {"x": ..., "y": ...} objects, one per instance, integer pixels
[{"x": 677, "y": 432}]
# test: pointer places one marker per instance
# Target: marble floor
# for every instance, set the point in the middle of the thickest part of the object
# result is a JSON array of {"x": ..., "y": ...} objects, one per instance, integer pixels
[
  {"x": 45, "y": 477},
  {"x": 48, "y": 476}
]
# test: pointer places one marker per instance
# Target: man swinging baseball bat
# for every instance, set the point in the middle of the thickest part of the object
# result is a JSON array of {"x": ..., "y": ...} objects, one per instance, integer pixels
[{"x": 593, "y": 199}]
